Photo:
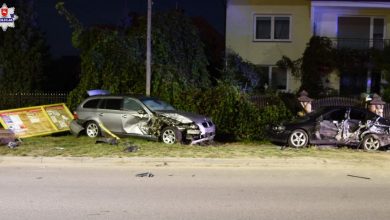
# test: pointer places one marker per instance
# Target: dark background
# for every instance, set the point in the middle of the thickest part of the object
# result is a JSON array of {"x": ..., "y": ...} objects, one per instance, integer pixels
[{"x": 58, "y": 32}]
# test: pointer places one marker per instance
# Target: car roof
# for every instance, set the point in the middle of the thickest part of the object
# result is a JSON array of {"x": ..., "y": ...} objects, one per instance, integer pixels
[{"x": 118, "y": 96}]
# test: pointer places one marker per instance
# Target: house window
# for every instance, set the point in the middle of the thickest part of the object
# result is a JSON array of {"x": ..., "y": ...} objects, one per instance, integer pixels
[
  {"x": 272, "y": 27},
  {"x": 276, "y": 77},
  {"x": 360, "y": 32}
]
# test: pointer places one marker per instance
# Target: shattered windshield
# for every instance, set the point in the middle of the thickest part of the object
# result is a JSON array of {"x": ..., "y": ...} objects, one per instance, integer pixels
[{"x": 156, "y": 105}]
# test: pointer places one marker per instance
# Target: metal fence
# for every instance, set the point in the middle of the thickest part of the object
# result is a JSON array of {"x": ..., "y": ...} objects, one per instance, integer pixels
[
  {"x": 336, "y": 101},
  {"x": 19, "y": 100}
]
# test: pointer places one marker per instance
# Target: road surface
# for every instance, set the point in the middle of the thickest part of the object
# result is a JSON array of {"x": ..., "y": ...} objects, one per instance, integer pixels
[{"x": 77, "y": 192}]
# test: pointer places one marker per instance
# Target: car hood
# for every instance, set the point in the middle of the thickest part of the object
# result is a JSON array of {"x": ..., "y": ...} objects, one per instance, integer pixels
[
  {"x": 182, "y": 117},
  {"x": 384, "y": 121}
]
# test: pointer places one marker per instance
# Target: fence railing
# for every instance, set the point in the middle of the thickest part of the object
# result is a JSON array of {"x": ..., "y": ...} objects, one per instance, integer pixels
[
  {"x": 19, "y": 100},
  {"x": 292, "y": 103},
  {"x": 336, "y": 101},
  {"x": 360, "y": 43}
]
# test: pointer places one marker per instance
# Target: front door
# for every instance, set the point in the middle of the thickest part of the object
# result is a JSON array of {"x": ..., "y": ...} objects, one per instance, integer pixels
[
  {"x": 328, "y": 127},
  {"x": 135, "y": 119}
]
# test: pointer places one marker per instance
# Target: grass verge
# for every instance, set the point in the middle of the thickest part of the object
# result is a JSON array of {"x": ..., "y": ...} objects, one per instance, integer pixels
[{"x": 68, "y": 145}]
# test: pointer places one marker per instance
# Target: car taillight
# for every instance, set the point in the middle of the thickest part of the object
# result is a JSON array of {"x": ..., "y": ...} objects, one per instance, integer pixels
[{"x": 75, "y": 116}]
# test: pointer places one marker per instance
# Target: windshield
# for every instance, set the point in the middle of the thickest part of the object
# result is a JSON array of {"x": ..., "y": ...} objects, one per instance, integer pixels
[
  {"x": 156, "y": 105},
  {"x": 314, "y": 114}
]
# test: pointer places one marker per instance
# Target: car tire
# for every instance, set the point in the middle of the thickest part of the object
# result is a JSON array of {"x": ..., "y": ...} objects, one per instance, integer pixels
[
  {"x": 298, "y": 139},
  {"x": 370, "y": 143},
  {"x": 92, "y": 129},
  {"x": 171, "y": 135}
]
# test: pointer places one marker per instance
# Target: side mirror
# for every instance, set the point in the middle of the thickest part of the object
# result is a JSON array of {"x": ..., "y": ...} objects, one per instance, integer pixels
[{"x": 141, "y": 112}]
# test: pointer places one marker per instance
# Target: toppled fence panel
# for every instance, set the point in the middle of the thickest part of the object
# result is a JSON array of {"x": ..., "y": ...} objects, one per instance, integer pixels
[{"x": 37, "y": 120}]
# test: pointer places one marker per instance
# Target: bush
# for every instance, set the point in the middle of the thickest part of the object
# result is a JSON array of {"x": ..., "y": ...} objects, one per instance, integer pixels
[{"x": 235, "y": 116}]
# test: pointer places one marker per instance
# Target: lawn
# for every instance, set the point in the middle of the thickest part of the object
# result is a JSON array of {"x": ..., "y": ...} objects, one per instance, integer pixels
[{"x": 67, "y": 145}]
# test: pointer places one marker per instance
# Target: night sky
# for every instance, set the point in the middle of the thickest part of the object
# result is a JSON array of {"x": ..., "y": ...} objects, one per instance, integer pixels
[{"x": 58, "y": 32}]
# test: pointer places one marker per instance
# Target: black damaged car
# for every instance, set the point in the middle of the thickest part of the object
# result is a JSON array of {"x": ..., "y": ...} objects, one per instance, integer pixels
[{"x": 349, "y": 126}]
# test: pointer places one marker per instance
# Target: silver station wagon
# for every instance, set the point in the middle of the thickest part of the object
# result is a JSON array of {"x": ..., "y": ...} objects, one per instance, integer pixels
[{"x": 144, "y": 117}]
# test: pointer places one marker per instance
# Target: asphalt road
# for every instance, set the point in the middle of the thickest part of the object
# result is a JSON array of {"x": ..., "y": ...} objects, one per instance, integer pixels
[{"x": 77, "y": 192}]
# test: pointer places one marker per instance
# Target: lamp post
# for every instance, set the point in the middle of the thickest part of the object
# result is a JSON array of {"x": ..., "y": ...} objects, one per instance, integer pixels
[{"x": 148, "y": 49}]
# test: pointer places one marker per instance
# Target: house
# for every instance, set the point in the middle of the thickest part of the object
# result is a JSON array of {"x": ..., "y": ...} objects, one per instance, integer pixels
[{"x": 262, "y": 31}]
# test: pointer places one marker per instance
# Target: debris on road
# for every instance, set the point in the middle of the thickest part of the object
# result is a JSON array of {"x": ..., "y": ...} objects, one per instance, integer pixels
[
  {"x": 130, "y": 147},
  {"x": 111, "y": 141},
  {"x": 7, "y": 137},
  {"x": 147, "y": 174},
  {"x": 360, "y": 177},
  {"x": 14, "y": 144}
]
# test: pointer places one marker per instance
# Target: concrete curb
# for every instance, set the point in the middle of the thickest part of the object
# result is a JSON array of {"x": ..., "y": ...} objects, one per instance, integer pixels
[{"x": 301, "y": 162}]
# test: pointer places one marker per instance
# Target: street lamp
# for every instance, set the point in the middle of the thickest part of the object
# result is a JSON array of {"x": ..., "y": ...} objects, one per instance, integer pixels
[{"x": 148, "y": 48}]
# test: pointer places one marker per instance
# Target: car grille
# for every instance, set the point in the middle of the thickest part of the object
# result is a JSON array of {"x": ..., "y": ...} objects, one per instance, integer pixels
[{"x": 207, "y": 124}]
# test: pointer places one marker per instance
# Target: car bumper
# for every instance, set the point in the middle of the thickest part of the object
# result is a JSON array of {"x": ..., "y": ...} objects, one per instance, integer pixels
[
  {"x": 201, "y": 135},
  {"x": 75, "y": 128},
  {"x": 279, "y": 137},
  {"x": 205, "y": 139}
]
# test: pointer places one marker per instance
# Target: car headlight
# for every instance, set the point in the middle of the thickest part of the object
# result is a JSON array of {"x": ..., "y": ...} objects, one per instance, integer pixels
[
  {"x": 279, "y": 128},
  {"x": 193, "y": 126}
]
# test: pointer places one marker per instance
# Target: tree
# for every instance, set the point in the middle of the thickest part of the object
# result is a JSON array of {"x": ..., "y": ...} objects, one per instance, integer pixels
[
  {"x": 179, "y": 62},
  {"x": 317, "y": 62},
  {"x": 243, "y": 74},
  {"x": 113, "y": 58},
  {"x": 23, "y": 52}
]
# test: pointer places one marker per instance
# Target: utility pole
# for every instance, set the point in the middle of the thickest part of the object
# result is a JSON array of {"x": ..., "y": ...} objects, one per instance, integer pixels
[{"x": 148, "y": 49}]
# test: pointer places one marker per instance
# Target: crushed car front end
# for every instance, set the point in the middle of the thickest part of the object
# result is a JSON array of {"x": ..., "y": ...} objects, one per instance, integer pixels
[
  {"x": 194, "y": 128},
  {"x": 200, "y": 132}
]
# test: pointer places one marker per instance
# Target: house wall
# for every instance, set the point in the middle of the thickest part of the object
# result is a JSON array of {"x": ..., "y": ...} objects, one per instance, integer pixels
[
  {"x": 326, "y": 18},
  {"x": 240, "y": 31}
]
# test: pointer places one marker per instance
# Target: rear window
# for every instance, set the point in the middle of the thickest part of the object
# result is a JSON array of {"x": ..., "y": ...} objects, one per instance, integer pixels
[{"x": 91, "y": 103}]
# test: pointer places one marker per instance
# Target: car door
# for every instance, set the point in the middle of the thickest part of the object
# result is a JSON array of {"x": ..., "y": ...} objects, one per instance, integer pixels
[
  {"x": 110, "y": 113},
  {"x": 135, "y": 118},
  {"x": 356, "y": 118},
  {"x": 329, "y": 124}
]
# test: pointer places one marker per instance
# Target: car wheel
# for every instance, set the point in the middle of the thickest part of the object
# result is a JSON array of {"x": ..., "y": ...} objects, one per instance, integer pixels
[
  {"x": 171, "y": 135},
  {"x": 298, "y": 138},
  {"x": 92, "y": 129},
  {"x": 370, "y": 142}
]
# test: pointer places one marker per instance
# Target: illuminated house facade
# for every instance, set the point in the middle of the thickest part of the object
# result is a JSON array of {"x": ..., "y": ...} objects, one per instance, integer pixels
[{"x": 262, "y": 31}]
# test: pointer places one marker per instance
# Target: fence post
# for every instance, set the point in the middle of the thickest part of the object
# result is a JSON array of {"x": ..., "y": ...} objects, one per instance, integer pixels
[
  {"x": 305, "y": 101},
  {"x": 376, "y": 105}
]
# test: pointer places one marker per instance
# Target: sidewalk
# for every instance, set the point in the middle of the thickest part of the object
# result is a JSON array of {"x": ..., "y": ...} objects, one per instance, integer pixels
[{"x": 294, "y": 163}]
